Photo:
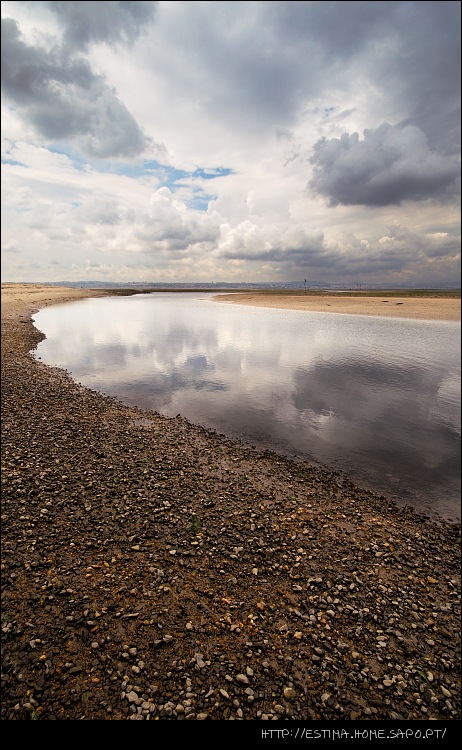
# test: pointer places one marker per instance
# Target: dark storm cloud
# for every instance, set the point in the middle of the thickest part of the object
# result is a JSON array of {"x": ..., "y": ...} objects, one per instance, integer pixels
[
  {"x": 422, "y": 69},
  {"x": 261, "y": 61},
  {"x": 63, "y": 98},
  {"x": 389, "y": 166},
  {"x": 341, "y": 28},
  {"x": 112, "y": 22},
  {"x": 410, "y": 51}
]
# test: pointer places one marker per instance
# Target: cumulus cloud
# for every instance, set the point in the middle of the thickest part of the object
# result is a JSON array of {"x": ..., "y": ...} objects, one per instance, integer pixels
[
  {"x": 171, "y": 225},
  {"x": 272, "y": 242},
  {"x": 391, "y": 165},
  {"x": 65, "y": 100}
]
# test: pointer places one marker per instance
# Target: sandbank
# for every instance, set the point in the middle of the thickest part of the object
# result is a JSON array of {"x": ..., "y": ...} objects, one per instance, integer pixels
[
  {"x": 16, "y": 297},
  {"x": 391, "y": 306}
]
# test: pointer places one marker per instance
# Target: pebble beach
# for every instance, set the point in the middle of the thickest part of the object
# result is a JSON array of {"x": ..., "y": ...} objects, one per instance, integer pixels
[{"x": 155, "y": 570}]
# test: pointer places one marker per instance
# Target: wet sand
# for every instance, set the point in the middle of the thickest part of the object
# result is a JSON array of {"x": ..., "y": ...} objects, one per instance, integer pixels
[
  {"x": 421, "y": 308},
  {"x": 155, "y": 570}
]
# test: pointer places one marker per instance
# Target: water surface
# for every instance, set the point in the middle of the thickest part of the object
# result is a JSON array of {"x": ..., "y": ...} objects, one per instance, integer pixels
[{"x": 377, "y": 398}]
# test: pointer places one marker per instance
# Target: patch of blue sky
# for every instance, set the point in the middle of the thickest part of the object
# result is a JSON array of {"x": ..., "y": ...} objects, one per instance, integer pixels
[
  {"x": 8, "y": 147},
  {"x": 166, "y": 175},
  {"x": 13, "y": 162},
  {"x": 200, "y": 201},
  {"x": 80, "y": 164},
  {"x": 177, "y": 179},
  {"x": 170, "y": 176},
  {"x": 212, "y": 174}
]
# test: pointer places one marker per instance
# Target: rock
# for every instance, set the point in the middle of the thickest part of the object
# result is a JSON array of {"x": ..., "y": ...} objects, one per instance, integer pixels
[{"x": 177, "y": 575}]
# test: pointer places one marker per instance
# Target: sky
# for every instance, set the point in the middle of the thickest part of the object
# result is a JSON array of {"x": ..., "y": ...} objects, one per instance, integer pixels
[{"x": 311, "y": 142}]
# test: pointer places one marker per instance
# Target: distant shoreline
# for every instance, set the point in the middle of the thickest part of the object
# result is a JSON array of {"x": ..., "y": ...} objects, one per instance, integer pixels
[{"x": 444, "y": 306}]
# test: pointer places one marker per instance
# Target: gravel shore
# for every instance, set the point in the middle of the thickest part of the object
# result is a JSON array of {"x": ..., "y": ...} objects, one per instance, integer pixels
[{"x": 154, "y": 570}]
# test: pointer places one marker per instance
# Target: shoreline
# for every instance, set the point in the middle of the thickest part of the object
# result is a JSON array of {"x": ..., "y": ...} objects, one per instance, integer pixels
[
  {"x": 152, "y": 569},
  {"x": 402, "y": 306}
]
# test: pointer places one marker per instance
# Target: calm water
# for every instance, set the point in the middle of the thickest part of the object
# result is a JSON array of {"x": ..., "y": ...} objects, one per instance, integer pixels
[{"x": 374, "y": 397}]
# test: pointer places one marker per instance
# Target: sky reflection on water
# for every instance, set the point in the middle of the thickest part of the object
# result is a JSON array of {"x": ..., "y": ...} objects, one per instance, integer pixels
[{"x": 376, "y": 397}]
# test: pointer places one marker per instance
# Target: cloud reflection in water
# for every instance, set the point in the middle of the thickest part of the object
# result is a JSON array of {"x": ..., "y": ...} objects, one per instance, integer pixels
[{"x": 377, "y": 397}]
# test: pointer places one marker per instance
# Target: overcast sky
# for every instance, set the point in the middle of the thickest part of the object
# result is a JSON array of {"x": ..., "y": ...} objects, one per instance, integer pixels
[{"x": 231, "y": 141}]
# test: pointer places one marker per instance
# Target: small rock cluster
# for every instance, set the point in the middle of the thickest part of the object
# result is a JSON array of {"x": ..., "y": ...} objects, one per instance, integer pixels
[{"x": 154, "y": 570}]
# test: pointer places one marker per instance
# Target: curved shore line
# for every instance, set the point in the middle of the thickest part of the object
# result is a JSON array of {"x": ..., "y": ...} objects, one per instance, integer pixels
[{"x": 152, "y": 569}]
